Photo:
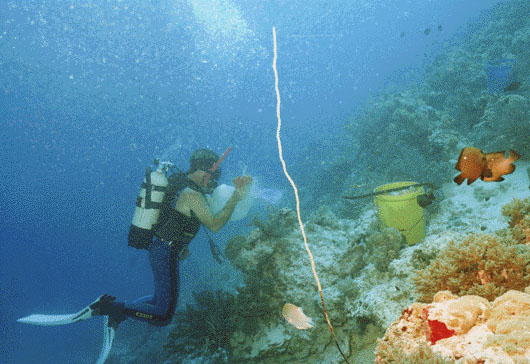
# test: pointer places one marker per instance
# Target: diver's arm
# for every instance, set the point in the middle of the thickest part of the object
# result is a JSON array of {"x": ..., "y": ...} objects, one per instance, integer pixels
[
  {"x": 200, "y": 208},
  {"x": 196, "y": 203}
]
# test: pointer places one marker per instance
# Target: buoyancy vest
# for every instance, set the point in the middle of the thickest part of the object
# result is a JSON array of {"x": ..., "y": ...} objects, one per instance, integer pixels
[{"x": 178, "y": 229}]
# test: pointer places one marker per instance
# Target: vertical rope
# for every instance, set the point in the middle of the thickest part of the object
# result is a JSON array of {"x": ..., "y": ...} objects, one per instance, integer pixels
[{"x": 295, "y": 189}]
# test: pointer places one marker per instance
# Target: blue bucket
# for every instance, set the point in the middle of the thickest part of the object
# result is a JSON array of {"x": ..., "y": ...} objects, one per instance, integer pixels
[{"x": 499, "y": 74}]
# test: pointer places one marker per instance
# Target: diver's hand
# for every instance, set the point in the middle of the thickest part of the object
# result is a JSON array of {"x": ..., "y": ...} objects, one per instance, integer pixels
[{"x": 242, "y": 185}]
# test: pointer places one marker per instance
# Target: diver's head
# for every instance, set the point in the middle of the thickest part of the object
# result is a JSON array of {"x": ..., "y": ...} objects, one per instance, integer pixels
[
  {"x": 202, "y": 162},
  {"x": 202, "y": 159}
]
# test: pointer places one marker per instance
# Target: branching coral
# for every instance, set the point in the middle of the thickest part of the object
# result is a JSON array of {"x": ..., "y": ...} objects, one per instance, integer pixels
[
  {"x": 204, "y": 328},
  {"x": 518, "y": 214},
  {"x": 516, "y": 210},
  {"x": 212, "y": 327},
  {"x": 483, "y": 265}
]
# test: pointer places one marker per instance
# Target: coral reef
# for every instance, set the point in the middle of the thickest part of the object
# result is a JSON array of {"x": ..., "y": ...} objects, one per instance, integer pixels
[
  {"x": 367, "y": 277},
  {"x": 365, "y": 288},
  {"x": 205, "y": 329},
  {"x": 487, "y": 265},
  {"x": 365, "y": 285},
  {"x": 506, "y": 117},
  {"x": 276, "y": 271},
  {"x": 484, "y": 265},
  {"x": 464, "y": 329},
  {"x": 399, "y": 120}
]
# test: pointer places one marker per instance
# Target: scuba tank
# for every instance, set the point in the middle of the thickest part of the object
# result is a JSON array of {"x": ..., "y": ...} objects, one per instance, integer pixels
[
  {"x": 148, "y": 204},
  {"x": 154, "y": 214}
]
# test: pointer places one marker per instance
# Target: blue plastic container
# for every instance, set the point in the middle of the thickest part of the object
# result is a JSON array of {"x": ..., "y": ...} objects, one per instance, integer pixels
[{"x": 499, "y": 74}]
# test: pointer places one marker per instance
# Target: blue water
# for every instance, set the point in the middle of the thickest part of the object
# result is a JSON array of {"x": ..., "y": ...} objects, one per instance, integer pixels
[{"x": 92, "y": 92}]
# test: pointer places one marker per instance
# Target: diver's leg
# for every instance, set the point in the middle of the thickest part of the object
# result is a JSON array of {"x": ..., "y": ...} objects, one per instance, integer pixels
[
  {"x": 164, "y": 265},
  {"x": 150, "y": 299},
  {"x": 167, "y": 290}
]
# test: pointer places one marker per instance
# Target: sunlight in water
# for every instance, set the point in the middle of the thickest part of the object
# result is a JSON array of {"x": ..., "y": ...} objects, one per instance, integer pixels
[{"x": 225, "y": 30}]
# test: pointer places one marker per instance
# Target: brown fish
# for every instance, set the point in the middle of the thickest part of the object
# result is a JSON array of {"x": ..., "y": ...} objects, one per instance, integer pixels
[
  {"x": 472, "y": 164},
  {"x": 488, "y": 167},
  {"x": 498, "y": 165}
]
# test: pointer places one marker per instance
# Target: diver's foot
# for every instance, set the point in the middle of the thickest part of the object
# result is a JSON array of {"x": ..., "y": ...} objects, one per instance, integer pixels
[
  {"x": 116, "y": 320},
  {"x": 106, "y": 306},
  {"x": 103, "y": 305}
]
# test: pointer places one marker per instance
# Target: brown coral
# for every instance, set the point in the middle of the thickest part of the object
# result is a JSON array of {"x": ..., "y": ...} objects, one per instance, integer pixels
[
  {"x": 518, "y": 215},
  {"x": 483, "y": 265}
]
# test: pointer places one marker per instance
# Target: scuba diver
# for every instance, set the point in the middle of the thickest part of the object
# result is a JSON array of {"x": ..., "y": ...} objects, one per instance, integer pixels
[
  {"x": 182, "y": 212},
  {"x": 169, "y": 213}
]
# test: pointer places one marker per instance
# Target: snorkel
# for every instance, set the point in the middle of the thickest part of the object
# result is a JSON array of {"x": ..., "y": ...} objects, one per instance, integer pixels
[{"x": 215, "y": 167}]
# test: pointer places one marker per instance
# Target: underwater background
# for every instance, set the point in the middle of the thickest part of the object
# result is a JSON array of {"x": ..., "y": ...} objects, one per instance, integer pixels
[{"x": 372, "y": 92}]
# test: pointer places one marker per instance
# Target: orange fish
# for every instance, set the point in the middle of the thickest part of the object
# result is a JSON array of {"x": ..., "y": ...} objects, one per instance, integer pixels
[
  {"x": 295, "y": 316},
  {"x": 472, "y": 164},
  {"x": 498, "y": 165},
  {"x": 488, "y": 167}
]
